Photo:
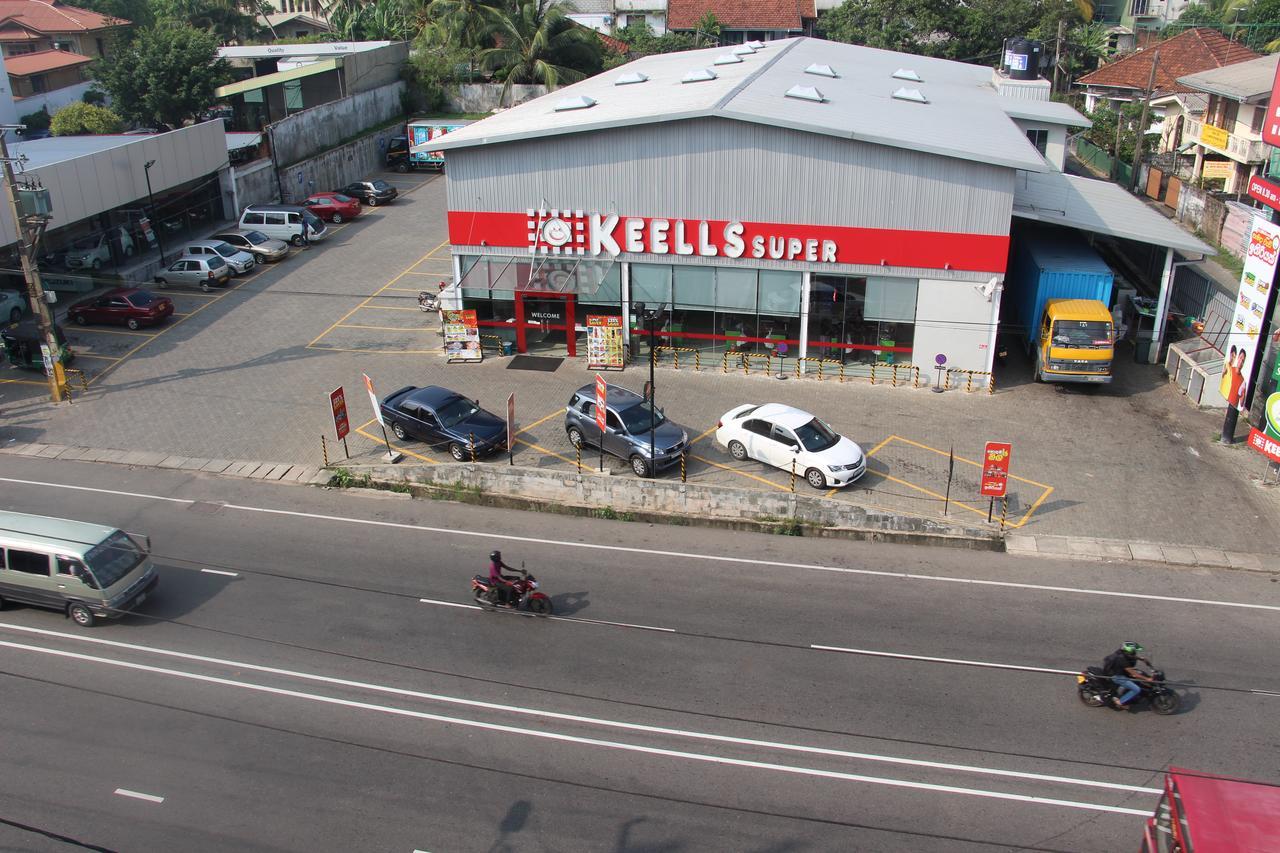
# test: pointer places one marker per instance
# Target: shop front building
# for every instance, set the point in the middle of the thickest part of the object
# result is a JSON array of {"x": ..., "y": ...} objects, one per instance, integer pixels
[{"x": 802, "y": 199}]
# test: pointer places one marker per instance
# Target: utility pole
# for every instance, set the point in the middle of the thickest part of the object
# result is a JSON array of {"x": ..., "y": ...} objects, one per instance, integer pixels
[
  {"x": 1057, "y": 54},
  {"x": 29, "y": 231},
  {"x": 1142, "y": 122}
]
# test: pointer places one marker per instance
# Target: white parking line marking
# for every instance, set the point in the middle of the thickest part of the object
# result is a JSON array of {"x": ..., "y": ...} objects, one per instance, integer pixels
[
  {"x": 987, "y": 664},
  {"x": 650, "y": 552},
  {"x": 219, "y": 572},
  {"x": 585, "y": 741},
  {"x": 573, "y": 718},
  {"x": 150, "y": 798}
]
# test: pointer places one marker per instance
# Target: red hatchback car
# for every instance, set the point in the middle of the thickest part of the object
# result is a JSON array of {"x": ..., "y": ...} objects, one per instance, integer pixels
[
  {"x": 333, "y": 207},
  {"x": 127, "y": 306}
]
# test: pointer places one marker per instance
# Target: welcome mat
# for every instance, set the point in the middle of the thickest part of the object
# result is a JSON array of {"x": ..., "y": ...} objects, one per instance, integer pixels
[{"x": 534, "y": 362}]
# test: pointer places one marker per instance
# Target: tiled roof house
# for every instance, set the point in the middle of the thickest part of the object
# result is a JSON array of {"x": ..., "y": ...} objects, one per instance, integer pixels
[{"x": 745, "y": 20}]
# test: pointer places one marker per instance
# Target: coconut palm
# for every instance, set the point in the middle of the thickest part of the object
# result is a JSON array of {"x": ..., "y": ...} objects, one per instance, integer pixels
[
  {"x": 533, "y": 39},
  {"x": 467, "y": 24}
]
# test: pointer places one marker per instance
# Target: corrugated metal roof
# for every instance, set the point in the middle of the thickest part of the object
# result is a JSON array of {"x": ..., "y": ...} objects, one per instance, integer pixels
[
  {"x": 1244, "y": 81},
  {"x": 318, "y": 67},
  {"x": 1097, "y": 206},
  {"x": 964, "y": 118},
  {"x": 1052, "y": 112}
]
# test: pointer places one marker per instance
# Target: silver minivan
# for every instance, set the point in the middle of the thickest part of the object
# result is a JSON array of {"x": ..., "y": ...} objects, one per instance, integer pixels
[
  {"x": 87, "y": 571},
  {"x": 283, "y": 222},
  {"x": 239, "y": 260}
]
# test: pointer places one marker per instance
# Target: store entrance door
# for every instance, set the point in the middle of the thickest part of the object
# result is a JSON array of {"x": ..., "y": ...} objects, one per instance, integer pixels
[{"x": 546, "y": 322}]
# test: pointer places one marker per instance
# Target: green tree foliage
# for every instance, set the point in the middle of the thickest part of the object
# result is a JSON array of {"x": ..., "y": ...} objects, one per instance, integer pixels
[
  {"x": 80, "y": 118},
  {"x": 38, "y": 120},
  {"x": 464, "y": 24},
  {"x": 228, "y": 20},
  {"x": 641, "y": 41},
  {"x": 538, "y": 43},
  {"x": 1086, "y": 46},
  {"x": 381, "y": 20},
  {"x": 1103, "y": 132},
  {"x": 137, "y": 12},
  {"x": 912, "y": 26},
  {"x": 166, "y": 75}
]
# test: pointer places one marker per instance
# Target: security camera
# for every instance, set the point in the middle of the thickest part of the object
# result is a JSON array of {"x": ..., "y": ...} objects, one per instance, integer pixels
[{"x": 986, "y": 290}]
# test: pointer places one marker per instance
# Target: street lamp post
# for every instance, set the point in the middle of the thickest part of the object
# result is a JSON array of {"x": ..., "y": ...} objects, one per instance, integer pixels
[
  {"x": 649, "y": 317},
  {"x": 151, "y": 202}
]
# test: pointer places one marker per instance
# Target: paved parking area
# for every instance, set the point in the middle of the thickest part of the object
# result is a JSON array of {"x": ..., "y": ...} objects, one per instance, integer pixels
[{"x": 245, "y": 374}]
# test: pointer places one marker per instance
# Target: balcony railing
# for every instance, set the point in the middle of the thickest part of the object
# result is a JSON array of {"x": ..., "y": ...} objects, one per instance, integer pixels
[
  {"x": 1148, "y": 8},
  {"x": 640, "y": 5},
  {"x": 1242, "y": 149}
]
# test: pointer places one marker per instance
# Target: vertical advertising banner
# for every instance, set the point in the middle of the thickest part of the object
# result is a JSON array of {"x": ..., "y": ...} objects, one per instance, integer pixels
[
  {"x": 602, "y": 400},
  {"x": 338, "y": 402},
  {"x": 604, "y": 341},
  {"x": 1271, "y": 126},
  {"x": 1241, "y": 346},
  {"x": 373, "y": 399},
  {"x": 995, "y": 469},
  {"x": 462, "y": 336}
]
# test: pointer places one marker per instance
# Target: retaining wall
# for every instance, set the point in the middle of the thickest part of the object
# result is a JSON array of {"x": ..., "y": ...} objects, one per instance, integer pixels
[
  {"x": 337, "y": 167},
  {"x": 485, "y": 97},
  {"x": 255, "y": 183},
  {"x": 322, "y": 127}
]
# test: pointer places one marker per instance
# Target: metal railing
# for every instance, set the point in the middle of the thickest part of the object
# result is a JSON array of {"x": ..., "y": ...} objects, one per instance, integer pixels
[
  {"x": 659, "y": 351},
  {"x": 969, "y": 376}
]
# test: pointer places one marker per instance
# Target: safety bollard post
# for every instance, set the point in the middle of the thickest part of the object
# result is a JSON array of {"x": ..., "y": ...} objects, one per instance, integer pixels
[
  {"x": 471, "y": 443},
  {"x": 684, "y": 476},
  {"x": 578, "y": 447},
  {"x": 324, "y": 451},
  {"x": 1004, "y": 511},
  {"x": 793, "y": 474}
]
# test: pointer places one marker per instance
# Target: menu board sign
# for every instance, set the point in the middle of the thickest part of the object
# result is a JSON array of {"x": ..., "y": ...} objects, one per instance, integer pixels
[
  {"x": 462, "y": 336},
  {"x": 604, "y": 342}
]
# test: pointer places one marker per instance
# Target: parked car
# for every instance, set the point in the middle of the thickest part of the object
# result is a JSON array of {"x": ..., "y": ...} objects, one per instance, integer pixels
[
  {"x": 444, "y": 418},
  {"x": 12, "y": 305},
  {"x": 239, "y": 260},
  {"x": 207, "y": 271},
  {"x": 372, "y": 193},
  {"x": 333, "y": 207},
  {"x": 95, "y": 250},
  {"x": 629, "y": 421},
  {"x": 128, "y": 306},
  {"x": 781, "y": 435},
  {"x": 283, "y": 222},
  {"x": 262, "y": 247}
]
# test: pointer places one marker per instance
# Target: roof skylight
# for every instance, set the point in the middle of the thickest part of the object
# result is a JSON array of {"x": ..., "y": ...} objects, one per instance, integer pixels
[
  {"x": 631, "y": 77},
  {"x": 905, "y": 94},
  {"x": 744, "y": 50},
  {"x": 821, "y": 70},
  {"x": 727, "y": 59},
  {"x": 756, "y": 44},
  {"x": 580, "y": 102},
  {"x": 805, "y": 93},
  {"x": 907, "y": 74},
  {"x": 698, "y": 75}
]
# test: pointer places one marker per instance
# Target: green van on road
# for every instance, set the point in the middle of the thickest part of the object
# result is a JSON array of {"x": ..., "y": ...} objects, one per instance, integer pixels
[{"x": 87, "y": 571}]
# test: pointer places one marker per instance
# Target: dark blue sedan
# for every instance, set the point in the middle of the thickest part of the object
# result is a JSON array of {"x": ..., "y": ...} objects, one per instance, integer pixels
[{"x": 444, "y": 419}]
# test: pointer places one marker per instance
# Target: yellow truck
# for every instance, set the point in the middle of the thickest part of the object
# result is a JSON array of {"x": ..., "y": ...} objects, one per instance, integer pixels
[{"x": 1076, "y": 342}]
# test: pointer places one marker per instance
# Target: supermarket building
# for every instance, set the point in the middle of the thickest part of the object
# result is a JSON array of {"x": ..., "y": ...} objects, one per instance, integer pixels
[{"x": 801, "y": 197}]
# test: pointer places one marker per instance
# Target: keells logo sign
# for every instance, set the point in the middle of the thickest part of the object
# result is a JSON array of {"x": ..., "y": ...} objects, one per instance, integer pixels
[{"x": 557, "y": 232}]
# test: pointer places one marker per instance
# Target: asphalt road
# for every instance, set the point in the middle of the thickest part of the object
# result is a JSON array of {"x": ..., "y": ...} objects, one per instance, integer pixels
[{"x": 309, "y": 676}]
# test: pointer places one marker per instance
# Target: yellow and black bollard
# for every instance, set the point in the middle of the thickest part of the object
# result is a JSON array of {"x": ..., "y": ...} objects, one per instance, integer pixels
[
  {"x": 793, "y": 474},
  {"x": 324, "y": 451},
  {"x": 684, "y": 467},
  {"x": 578, "y": 447},
  {"x": 1004, "y": 511},
  {"x": 471, "y": 443}
]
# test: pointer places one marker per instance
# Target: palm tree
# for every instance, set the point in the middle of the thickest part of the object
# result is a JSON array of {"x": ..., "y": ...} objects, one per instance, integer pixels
[
  {"x": 530, "y": 37},
  {"x": 464, "y": 23}
]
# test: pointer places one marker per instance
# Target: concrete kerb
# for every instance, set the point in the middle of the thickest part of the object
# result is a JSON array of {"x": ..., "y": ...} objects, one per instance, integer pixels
[{"x": 659, "y": 501}]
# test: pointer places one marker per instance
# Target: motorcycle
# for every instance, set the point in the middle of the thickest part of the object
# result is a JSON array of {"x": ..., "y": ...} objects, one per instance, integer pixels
[
  {"x": 524, "y": 594},
  {"x": 1096, "y": 690},
  {"x": 428, "y": 302}
]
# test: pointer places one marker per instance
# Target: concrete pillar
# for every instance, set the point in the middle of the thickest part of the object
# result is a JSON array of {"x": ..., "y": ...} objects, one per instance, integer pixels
[
  {"x": 1162, "y": 308},
  {"x": 626, "y": 305},
  {"x": 806, "y": 279}
]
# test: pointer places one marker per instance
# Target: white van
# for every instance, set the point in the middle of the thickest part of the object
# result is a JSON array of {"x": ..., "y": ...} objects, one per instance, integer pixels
[
  {"x": 283, "y": 222},
  {"x": 87, "y": 571}
]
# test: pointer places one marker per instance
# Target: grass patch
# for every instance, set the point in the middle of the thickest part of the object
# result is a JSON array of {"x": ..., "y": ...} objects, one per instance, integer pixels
[
  {"x": 611, "y": 514},
  {"x": 790, "y": 527},
  {"x": 343, "y": 479}
]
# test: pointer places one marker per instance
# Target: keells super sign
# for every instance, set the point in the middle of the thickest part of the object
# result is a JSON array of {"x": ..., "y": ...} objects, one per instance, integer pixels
[{"x": 995, "y": 469}]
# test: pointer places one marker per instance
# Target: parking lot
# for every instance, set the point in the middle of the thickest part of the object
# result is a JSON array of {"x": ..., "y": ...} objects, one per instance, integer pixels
[{"x": 245, "y": 374}]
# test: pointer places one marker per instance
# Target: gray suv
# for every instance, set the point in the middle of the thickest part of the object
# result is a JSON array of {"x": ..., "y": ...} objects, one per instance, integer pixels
[{"x": 627, "y": 429}]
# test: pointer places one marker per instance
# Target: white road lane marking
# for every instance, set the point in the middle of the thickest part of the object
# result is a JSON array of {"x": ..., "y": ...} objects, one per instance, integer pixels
[
  {"x": 150, "y": 798},
  {"x": 585, "y": 741},
  {"x": 577, "y": 718},
  {"x": 987, "y": 664},
  {"x": 716, "y": 558},
  {"x": 220, "y": 572},
  {"x": 552, "y": 618},
  {"x": 1264, "y": 693},
  {"x": 450, "y": 604}
]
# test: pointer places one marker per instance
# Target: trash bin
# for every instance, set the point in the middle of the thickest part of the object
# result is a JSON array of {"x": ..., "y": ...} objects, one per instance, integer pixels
[{"x": 508, "y": 347}]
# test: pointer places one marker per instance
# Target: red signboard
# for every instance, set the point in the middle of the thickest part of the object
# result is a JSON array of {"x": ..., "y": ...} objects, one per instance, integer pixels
[
  {"x": 1265, "y": 191},
  {"x": 1264, "y": 444},
  {"x": 602, "y": 396},
  {"x": 995, "y": 469},
  {"x": 1271, "y": 126},
  {"x": 338, "y": 401}
]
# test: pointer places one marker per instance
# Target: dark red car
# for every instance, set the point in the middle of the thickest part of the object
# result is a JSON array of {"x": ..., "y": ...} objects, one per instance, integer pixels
[
  {"x": 333, "y": 207},
  {"x": 126, "y": 306}
]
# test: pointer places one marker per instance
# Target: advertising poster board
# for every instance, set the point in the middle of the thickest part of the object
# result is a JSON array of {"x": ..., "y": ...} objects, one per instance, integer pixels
[
  {"x": 462, "y": 336},
  {"x": 338, "y": 402},
  {"x": 604, "y": 342},
  {"x": 1241, "y": 346},
  {"x": 995, "y": 469}
]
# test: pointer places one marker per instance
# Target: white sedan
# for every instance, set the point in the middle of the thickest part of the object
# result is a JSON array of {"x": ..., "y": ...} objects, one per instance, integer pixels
[{"x": 778, "y": 435}]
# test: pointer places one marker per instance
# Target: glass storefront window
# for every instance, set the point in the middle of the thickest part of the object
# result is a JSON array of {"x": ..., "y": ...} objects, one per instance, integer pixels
[
  {"x": 862, "y": 320},
  {"x": 651, "y": 284},
  {"x": 693, "y": 314},
  {"x": 779, "y": 307}
]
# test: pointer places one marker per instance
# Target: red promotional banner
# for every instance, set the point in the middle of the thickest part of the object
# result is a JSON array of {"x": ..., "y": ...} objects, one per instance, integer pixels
[
  {"x": 338, "y": 402},
  {"x": 602, "y": 396},
  {"x": 1264, "y": 444},
  {"x": 1271, "y": 125},
  {"x": 995, "y": 469},
  {"x": 1265, "y": 191}
]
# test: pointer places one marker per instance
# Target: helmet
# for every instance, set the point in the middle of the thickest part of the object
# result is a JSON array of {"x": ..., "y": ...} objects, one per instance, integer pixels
[
  {"x": 495, "y": 555},
  {"x": 1132, "y": 648}
]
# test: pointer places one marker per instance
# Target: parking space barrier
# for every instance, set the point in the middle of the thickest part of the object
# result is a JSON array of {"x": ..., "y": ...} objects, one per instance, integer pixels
[
  {"x": 793, "y": 473},
  {"x": 675, "y": 355},
  {"x": 684, "y": 465},
  {"x": 969, "y": 379},
  {"x": 471, "y": 445},
  {"x": 493, "y": 341},
  {"x": 324, "y": 451},
  {"x": 1004, "y": 511},
  {"x": 79, "y": 376},
  {"x": 821, "y": 367},
  {"x": 578, "y": 448},
  {"x": 750, "y": 358}
]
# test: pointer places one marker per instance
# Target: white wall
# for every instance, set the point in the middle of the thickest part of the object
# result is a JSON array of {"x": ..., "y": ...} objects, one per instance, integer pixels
[
  {"x": 954, "y": 319},
  {"x": 53, "y": 101},
  {"x": 8, "y": 113}
]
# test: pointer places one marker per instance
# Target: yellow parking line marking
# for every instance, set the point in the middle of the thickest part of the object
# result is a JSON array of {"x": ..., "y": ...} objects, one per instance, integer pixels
[
  {"x": 539, "y": 422},
  {"x": 873, "y": 450},
  {"x": 1035, "y": 506},
  {"x": 396, "y": 446},
  {"x": 962, "y": 459},
  {"x": 549, "y": 452},
  {"x": 375, "y": 293},
  {"x": 432, "y": 274},
  {"x": 389, "y": 308},
  {"x": 327, "y": 348},
  {"x": 830, "y": 493},
  {"x": 24, "y": 382},
  {"x": 383, "y": 328},
  {"x": 704, "y": 435},
  {"x": 742, "y": 473},
  {"x": 404, "y": 289},
  {"x": 81, "y": 330},
  {"x": 91, "y": 355}
]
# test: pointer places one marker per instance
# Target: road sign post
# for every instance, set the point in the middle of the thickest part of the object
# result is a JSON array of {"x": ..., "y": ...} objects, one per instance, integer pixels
[
  {"x": 940, "y": 362},
  {"x": 602, "y": 400},
  {"x": 511, "y": 428}
]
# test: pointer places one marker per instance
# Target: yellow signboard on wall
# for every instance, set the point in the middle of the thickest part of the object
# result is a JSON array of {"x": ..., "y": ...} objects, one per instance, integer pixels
[
  {"x": 1214, "y": 136},
  {"x": 1217, "y": 169}
]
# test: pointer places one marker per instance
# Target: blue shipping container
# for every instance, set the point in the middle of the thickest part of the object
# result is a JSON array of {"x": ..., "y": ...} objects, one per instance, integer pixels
[{"x": 1048, "y": 265}]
